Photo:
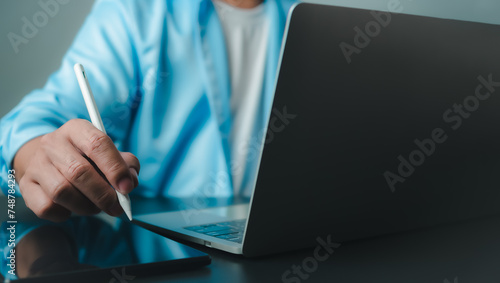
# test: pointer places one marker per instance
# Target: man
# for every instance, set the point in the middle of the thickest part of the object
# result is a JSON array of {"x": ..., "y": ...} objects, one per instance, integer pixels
[{"x": 184, "y": 89}]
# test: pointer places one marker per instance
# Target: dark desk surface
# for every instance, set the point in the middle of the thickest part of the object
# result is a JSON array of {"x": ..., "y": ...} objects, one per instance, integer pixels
[{"x": 462, "y": 252}]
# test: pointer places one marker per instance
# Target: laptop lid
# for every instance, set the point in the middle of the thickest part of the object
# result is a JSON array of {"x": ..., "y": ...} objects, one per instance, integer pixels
[{"x": 381, "y": 122}]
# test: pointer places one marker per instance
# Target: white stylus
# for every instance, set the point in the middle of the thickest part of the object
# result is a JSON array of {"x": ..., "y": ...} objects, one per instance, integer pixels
[{"x": 95, "y": 117}]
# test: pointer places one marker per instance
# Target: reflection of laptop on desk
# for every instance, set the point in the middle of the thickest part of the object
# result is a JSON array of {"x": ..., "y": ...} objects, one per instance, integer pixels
[{"x": 393, "y": 126}]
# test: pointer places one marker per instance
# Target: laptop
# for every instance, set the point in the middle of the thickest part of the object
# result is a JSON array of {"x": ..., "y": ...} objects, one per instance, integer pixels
[{"x": 392, "y": 124}]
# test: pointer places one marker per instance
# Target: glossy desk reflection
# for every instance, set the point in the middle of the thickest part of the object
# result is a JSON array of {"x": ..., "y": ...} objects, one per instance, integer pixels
[{"x": 100, "y": 246}]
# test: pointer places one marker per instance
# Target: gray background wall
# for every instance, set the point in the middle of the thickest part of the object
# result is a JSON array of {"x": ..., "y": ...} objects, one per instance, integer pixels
[{"x": 36, "y": 60}]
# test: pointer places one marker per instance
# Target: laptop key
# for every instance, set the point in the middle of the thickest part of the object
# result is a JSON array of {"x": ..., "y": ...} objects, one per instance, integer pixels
[
  {"x": 221, "y": 232},
  {"x": 229, "y": 230},
  {"x": 228, "y": 236},
  {"x": 200, "y": 227},
  {"x": 211, "y": 229}
]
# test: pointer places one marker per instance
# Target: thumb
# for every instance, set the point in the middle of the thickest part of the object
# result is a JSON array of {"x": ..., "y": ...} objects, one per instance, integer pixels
[{"x": 133, "y": 164}]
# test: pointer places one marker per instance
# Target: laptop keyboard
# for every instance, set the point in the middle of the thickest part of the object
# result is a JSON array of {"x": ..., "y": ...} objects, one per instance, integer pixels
[{"x": 230, "y": 230}]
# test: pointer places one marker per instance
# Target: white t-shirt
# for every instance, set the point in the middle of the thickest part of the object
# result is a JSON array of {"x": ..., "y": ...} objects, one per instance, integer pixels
[{"x": 246, "y": 32}]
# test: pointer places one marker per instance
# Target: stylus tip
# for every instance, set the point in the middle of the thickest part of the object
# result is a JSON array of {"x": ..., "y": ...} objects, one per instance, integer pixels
[
  {"x": 124, "y": 201},
  {"x": 129, "y": 215}
]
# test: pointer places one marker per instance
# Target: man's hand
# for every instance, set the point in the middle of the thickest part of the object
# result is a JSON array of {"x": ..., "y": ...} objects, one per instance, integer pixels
[{"x": 58, "y": 172}]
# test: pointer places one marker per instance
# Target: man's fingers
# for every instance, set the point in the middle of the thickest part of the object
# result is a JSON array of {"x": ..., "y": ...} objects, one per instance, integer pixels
[
  {"x": 133, "y": 164},
  {"x": 62, "y": 192},
  {"x": 41, "y": 204},
  {"x": 81, "y": 174},
  {"x": 97, "y": 146},
  {"x": 74, "y": 169}
]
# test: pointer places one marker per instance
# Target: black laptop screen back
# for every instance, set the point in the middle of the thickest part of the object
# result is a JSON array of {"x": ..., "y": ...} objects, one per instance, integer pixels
[{"x": 391, "y": 124}]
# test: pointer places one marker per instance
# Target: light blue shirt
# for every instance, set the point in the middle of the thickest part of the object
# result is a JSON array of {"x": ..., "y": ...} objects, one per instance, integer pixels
[{"x": 159, "y": 74}]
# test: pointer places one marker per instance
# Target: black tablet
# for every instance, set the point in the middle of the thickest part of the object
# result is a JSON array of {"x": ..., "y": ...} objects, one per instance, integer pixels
[{"x": 91, "y": 249}]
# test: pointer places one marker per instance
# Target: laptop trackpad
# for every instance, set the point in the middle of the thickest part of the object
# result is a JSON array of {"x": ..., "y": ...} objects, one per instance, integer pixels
[{"x": 239, "y": 211}]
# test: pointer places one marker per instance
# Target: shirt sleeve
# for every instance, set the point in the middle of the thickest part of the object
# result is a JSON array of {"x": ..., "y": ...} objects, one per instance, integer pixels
[{"x": 105, "y": 47}]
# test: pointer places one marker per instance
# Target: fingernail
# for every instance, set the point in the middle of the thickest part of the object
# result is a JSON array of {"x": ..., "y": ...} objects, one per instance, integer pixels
[
  {"x": 125, "y": 185},
  {"x": 116, "y": 210},
  {"x": 133, "y": 172}
]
